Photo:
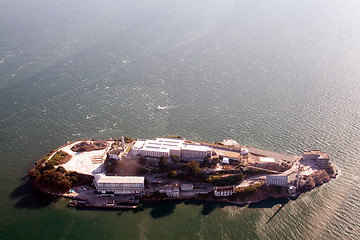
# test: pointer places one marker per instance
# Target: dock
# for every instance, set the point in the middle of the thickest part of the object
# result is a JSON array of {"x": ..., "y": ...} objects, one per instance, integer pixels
[{"x": 84, "y": 204}]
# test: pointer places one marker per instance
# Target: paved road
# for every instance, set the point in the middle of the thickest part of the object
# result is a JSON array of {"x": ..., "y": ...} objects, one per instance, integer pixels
[{"x": 275, "y": 155}]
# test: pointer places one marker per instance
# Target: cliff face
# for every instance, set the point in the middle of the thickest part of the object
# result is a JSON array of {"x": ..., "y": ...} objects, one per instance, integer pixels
[{"x": 315, "y": 179}]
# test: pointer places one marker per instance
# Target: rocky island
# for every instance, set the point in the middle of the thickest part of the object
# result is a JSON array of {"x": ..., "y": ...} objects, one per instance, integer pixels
[{"x": 124, "y": 172}]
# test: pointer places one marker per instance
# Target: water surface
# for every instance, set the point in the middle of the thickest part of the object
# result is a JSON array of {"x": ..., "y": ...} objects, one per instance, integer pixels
[{"x": 280, "y": 75}]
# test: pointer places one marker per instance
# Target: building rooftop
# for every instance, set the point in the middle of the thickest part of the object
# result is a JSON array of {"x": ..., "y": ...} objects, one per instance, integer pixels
[
  {"x": 312, "y": 152},
  {"x": 102, "y": 178},
  {"x": 224, "y": 188},
  {"x": 162, "y": 143},
  {"x": 316, "y": 152},
  {"x": 139, "y": 143},
  {"x": 266, "y": 159},
  {"x": 195, "y": 147},
  {"x": 276, "y": 176}
]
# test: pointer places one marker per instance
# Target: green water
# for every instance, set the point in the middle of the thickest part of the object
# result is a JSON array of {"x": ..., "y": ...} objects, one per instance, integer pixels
[{"x": 279, "y": 75}]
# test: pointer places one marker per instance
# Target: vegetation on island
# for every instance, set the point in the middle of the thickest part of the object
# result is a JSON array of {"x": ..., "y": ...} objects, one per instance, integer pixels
[
  {"x": 87, "y": 146},
  {"x": 47, "y": 176},
  {"x": 193, "y": 170},
  {"x": 59, "y": 158},
  {"x": 174, "y": 136},
  {"x": 226, "y": 180},
  {"x": 209, "y": 162},
  {"x": 126, "y": 140},
  {"x": 163, "y": 165}
]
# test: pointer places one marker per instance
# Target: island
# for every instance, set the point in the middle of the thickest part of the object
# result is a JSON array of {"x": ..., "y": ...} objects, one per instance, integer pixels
[{"x": 125, "y": 172}]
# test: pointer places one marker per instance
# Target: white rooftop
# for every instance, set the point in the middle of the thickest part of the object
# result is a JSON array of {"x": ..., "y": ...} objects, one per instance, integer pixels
[
  {"x": 162, "y": 144},
  {"x": 225, "y": 160},
  {"x": 266, "y": 159},
  {"x": 196, "y": 147},
  {"x": 102, "y": 178},
  {"x": 139, "y": 143}
]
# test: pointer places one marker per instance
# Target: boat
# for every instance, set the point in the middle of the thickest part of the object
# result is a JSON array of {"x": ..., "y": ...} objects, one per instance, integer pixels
[{"x": 161, "y": 108}]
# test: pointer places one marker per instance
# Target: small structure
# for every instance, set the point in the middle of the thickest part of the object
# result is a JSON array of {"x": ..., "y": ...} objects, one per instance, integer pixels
[
  {"x": 278, "y": 180},
  {"x": 244, "y": 152},
  {"x": 118, "y": 184},
  {"x": 225, "y": 160},
  {"x": 321, "y": 158},
  {"x": 224, "y": 191},
  {"x": 171, "y": 190},
  {"x": 114, "y": 156},
  {"x": 266, "y": 160},
  {"x": 187, "y": 187},
  {"x": 291, "y": 189}
]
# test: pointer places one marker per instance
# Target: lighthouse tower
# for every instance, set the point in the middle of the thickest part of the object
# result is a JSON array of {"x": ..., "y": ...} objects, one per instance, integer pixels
[
  {"x": 298, "y": 178},
  {"x": 122, "y": 143}
]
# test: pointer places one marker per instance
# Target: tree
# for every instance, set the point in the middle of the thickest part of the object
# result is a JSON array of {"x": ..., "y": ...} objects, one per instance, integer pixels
[
  {"x": 142, "y": 160},
  {"x": 193, "y": 169},
  {"x": 34, "y": 174},
  {"x": 163, "y": 165},
  {"x": 175, "y": 159},
  {"x": 61, "y": 169},
  {"x": 55, "y": 179},
  {"x": 172, "y": 174},
  {"x": 206, "y": 162}
]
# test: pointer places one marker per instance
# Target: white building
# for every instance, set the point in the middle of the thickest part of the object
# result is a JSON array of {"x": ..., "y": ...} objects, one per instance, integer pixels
[
  {"x": 195, "y": 151},
  {"x": 276, "y": 180},
  {"x": 187, "y": 187},
  {"x": 169, "y": 146},
  {"x": 225, "y": 160},
  {"x": 119, "y": 184},
  {"x": 224, "y": 191},
  {"x": 171, "y": 190}
]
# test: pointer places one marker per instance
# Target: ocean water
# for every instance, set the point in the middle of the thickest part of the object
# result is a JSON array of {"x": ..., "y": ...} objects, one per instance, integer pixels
[{"x": 282, "y": 75}]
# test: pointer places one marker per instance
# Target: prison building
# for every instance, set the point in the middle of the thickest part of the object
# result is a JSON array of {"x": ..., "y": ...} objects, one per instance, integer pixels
[{"x": 118, "y": 184}]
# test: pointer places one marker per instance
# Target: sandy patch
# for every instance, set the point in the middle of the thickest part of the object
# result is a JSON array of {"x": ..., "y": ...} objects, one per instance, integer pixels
[{"x": 85, "y": 162}]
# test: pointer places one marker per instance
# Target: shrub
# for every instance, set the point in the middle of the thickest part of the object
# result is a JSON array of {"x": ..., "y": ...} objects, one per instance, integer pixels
[
  {"x": 224, "y": 181},
  {"x": 163, "y": 165},
  {"x": 193, "y": 169},
  {"x": 34, "y": 174},
  {"x": 58, "y": 158},
  {"x": 241, "y": 193},
  {"x": 175, "y": 159},
  {"x": 172, "y": 174},
  {"x": 87, "y": 146}
]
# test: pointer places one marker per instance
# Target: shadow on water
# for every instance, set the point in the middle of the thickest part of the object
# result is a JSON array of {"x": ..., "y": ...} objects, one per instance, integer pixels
[
  {"x": 275, "y": 213},
  {"x": 269, "y": 203},
  {"x": 161, "y": 209},
  {"x": 207, "y": 208},
  {"x": 30, "y": 197}
]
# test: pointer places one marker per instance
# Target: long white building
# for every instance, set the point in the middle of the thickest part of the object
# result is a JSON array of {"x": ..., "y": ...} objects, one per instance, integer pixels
[
  {"x": 119, "y": 184},
  {"x": 224, "y": 191},
  {"x": 276, "y": 180},
  {"x": 169, "y": 146}
]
